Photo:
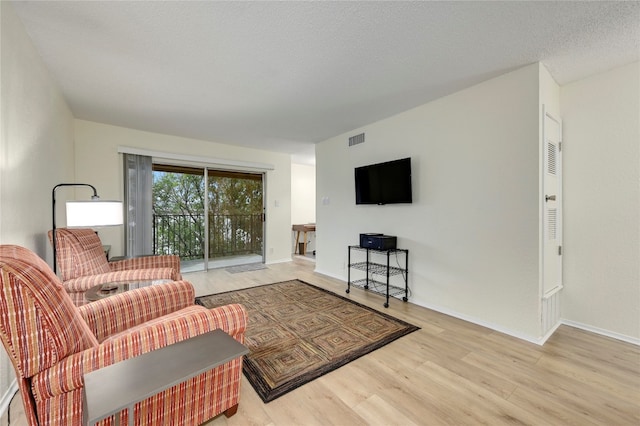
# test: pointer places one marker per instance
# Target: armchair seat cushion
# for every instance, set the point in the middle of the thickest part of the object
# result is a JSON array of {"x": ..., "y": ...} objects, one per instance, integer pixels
[
  {"x": 146, "y": 337},
  {"x": 82, "y": 284},
  {"x": 123, "y": 311}
]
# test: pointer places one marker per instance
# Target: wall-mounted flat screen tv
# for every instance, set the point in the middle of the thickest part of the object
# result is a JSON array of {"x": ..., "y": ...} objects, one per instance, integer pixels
[{"x": 384, "y": 183}]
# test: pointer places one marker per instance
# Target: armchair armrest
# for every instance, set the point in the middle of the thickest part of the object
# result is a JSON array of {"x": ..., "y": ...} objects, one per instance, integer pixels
[
  {"x": 67, "y": 375},
  {"x": 120, "y": 312},
  {"x": 148, "y": 262},
  {"x": 85, "y": 283}
]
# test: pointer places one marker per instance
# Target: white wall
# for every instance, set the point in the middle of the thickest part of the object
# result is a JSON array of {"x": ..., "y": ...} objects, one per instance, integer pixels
[
  {"x": 602, "y": 201},
  {"x": 473, "y": 227},
  {"x": 303, "y": 200},
  {"x": 36, "y": 148},
  {"x": 98, "y": 163},
  {"x": 303, "y": 193}
]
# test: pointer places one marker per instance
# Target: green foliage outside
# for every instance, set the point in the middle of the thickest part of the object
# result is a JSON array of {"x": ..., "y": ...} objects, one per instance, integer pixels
[{"x": 235, "y": 215}]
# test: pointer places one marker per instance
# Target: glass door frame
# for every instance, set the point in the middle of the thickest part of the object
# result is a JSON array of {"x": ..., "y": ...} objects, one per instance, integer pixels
[
  {"x": 263, "y": 178},
  {"x": 205, "y": 169}
]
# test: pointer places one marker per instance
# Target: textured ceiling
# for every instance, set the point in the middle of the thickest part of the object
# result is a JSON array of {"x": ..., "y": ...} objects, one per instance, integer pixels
[{"x": 285, "y": 75}]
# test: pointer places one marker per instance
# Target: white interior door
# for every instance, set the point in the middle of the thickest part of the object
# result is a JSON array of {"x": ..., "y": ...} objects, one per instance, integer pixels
[{"x": 552, "y": 190}]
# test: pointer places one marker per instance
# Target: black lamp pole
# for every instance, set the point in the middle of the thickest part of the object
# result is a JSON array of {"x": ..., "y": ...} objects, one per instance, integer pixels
[{"x": 53, "y": 209}]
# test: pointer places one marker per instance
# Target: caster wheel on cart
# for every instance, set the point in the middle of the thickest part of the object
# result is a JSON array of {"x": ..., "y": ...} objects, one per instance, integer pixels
[
  {"x": 404, "y": 299},
  {"x": 347, "y": 290},
  {"x": 386, "y": 305}
]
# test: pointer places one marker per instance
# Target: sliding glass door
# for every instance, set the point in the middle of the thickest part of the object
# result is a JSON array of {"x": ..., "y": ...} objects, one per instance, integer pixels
[
  {"x": 220, "y": 226},
  {"x": 235, "y": 216},
  {"x": 179, "y": 214}
]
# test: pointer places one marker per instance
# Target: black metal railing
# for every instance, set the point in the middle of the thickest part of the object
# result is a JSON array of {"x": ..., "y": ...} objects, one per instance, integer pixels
[{"x": 229, "y": 234}]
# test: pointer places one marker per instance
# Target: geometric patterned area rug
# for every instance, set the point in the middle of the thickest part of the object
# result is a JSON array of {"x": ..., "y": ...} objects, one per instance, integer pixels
[{"x": 297, "y": 332}]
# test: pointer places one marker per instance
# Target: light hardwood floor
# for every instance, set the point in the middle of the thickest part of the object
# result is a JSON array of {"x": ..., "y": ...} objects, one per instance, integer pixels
[{"x": 449, "y": 372}]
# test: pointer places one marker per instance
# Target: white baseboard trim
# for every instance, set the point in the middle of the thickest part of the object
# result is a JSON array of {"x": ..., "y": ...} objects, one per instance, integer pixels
[
  {"x": 273, "y": 262},
  {"x": 479, "y": 322},
  {"x": 602, "y": 332},
  {"x": 454, "y": 314},
  {"x": 5, "y": 402},
  {"x": 308, "y": 259},
  {"x": 319, "y": 271},
  {"x": 544, "y": 338},
  {"x": 538, "y": 341}
]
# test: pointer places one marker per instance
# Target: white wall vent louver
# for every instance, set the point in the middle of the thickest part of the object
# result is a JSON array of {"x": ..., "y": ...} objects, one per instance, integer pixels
[
  {"x": 552, "y": 154},
  {"x": 355, "y": 140},
  {"x": 551, "y": 311},
  {"x": 552, "y": 219}
]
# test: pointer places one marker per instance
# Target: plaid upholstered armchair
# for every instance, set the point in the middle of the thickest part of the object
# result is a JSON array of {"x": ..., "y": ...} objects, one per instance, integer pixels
[
  {"x": 52, "y": 343},
  {"x": 83, "y": 264}
]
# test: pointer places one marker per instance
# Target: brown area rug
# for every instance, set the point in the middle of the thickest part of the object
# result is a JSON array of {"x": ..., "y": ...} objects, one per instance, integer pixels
[{"x": 297, "y": 332}]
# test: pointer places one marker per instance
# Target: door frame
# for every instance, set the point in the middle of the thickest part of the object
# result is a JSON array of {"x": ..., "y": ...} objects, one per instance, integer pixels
[
  {"x": 262, "y": 175},
  {"x": 206, "y": 170},
  {"x": 544, "y": 191}
]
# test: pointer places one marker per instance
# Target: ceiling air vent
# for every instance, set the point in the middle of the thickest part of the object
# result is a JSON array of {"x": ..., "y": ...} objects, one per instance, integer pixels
[{"x": 355, "y": 140}]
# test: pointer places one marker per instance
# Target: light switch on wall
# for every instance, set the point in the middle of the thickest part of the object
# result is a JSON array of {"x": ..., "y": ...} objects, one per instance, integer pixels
[
  {"x": 325, "y": 201},
  {"x": 276, "y": 203}
]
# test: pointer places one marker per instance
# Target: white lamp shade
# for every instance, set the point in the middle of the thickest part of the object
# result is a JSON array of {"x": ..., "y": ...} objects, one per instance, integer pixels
[{"x": 94, "y": 213}]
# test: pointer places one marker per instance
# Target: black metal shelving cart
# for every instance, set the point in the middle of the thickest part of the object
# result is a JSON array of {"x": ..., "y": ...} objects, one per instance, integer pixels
[{"x": 373, "y": 267}]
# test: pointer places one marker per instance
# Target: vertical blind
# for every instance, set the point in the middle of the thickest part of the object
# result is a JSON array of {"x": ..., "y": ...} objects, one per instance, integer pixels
[{"x": 138, "y": 184}]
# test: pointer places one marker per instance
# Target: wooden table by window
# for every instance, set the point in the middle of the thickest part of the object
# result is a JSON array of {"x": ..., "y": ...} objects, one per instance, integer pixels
[{"x": 308, "y": 227}]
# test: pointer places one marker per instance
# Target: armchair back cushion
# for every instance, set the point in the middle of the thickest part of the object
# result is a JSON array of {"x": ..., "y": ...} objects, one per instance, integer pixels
[
  {"x": 79, "y": 253},
  {"x": 40, "y": 325}
]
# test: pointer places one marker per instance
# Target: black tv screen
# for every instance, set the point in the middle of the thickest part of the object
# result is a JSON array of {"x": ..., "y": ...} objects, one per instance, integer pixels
[{"x": 384, "y": 183}]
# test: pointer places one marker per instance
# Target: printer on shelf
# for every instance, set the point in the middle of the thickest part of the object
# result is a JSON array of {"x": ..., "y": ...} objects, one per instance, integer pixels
[{"x": 378, "y": 241}]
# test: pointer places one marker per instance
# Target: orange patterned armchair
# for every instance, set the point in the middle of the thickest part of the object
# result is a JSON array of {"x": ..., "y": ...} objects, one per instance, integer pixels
[
  {"x": 52, "y": 343},
  {"x": 83, "y": 264}
]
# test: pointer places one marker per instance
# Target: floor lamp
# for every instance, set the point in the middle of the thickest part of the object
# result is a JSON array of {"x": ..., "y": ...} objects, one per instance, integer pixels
[{"x": 90, "y": 213}]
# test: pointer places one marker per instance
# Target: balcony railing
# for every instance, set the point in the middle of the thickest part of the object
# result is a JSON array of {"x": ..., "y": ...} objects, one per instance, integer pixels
[{"x": 183, "y": 234}]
